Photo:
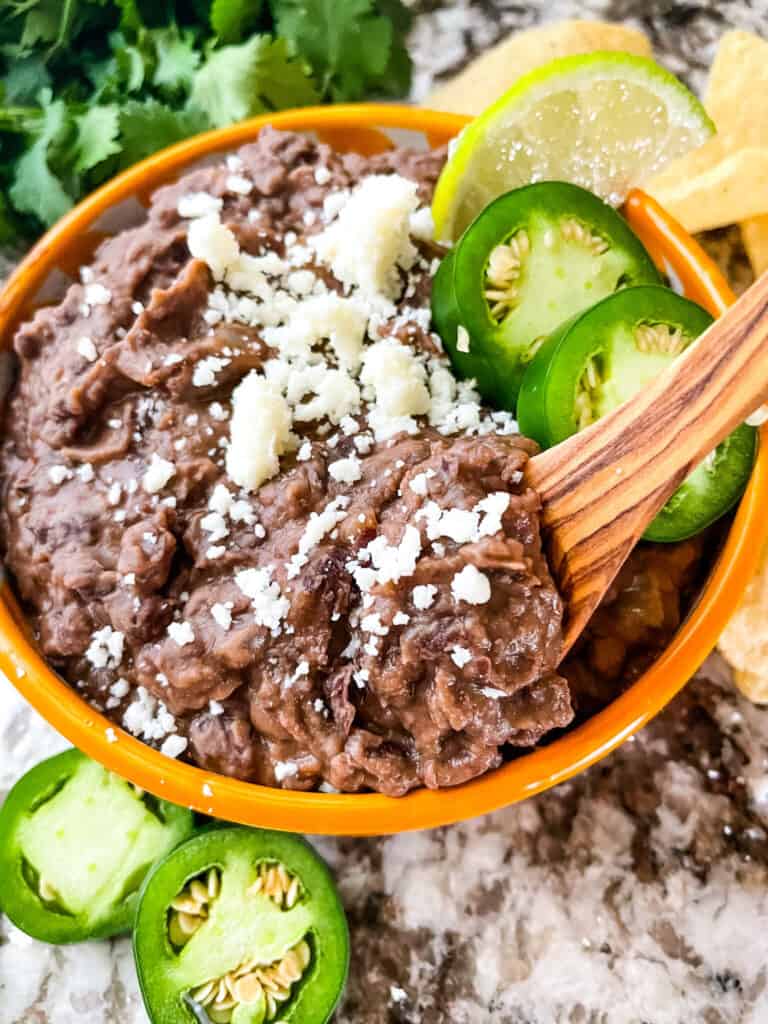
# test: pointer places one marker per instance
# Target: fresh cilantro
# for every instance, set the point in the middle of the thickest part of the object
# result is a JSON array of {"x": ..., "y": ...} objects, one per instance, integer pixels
[
  {"x": 349, "y": 45},
  {"x": 36, "y": 189},
  {"x": 232, "y": 19},
  {"x": 176, "y": 59},
  {"x": 239, "y": 81},
  {"x": 90, "y": 86},
  {"x": 98, "y": 129},
  {"x": 25, "y": 78},
  {"x": 150, "y": 125}
]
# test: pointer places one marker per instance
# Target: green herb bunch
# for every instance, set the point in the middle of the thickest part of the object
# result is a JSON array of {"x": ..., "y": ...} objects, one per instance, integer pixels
[{"x": 90, "y": 86}]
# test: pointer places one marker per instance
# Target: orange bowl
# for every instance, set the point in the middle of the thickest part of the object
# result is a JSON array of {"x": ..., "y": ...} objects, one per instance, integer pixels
[{"x": 368, "y": 129}]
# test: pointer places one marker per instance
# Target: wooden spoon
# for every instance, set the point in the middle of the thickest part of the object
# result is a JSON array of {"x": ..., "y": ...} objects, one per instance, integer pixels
[{"x": 602, "y": 487}]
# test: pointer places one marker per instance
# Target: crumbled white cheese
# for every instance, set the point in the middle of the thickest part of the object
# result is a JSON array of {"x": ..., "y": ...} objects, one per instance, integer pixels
[
  {"x": 422, "y": 225},
  {"x": 222, "y": 614},
  {"x": 87, "y": 349},
  {"x": 158, "y": 474},
  {"x": 471, "y": 585},
  {"x": 173, "y": 746},
  {"x": 305, "y": 452},
  {"x": 205, "y": 371},
  {"x": 58, "y": 474},
  {"x": 372, "y": 624},
  {"x": 239, "y": 184},
  {"x": 198, "y": 204},
  {"x": 393, "y": 562},
  {"x": 493, "y": 506},
  {"x": 97, "y": 295},
  {"x": 346, "y": 471},
  {"x": 215, "y": 525},
  {"x": 335, "y": 393},
  {"x": 322, "y": 175},
  {"x": 370, "y": 240},
  {"x": 395, "y": 379},
  {"x": 181, "y": 633},
  {"x": 242, "y": 512},
  {"x": 218, "y": 412},
  {"x": 318, "y": 525},
  {"x": 260, "y": 432},
  {"x": 147, "y": 717},
  {"x": 220, "y": 500},
  {"x": 465, "y": 525},
  {"x": 213, "y": 243},
  {"x": 401, "y": 619},
  {"x": 301, "y": 282},
  {"x": 460, "y": 656},
  {"x": 285, "y": 770},
  {"x": 462, "y": 338},
  {"x": 115, "y": 493},
  {"x": 269, "y": 606},
  {"x": 85, "y": 472},
  {"x": 419, "y": 483},
  {"x": 120, "y": 689},
  {"x": 214, "y": 708},
  {"x": 423, "y": 596},
  {"x": 246, "y": 274},
  {"x": 341, "y": 321},
  {"x": 106, "y": 648}
]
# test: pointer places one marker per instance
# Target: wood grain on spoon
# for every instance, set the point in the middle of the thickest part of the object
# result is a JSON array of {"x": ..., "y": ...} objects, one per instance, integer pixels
[{"x": 602, "y": 487}]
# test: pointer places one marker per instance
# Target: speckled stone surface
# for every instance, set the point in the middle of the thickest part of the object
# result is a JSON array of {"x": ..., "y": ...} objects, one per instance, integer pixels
[{"x": 635, "y": 894}]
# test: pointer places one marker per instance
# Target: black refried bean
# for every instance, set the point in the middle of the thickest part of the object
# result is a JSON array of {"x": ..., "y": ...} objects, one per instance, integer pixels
[{"x": 370, "y": 608}]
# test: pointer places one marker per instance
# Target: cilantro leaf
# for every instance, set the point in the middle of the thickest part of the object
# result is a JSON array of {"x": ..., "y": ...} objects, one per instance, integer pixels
[
  {"x": 149, "y": 125},
  {"x": 347, "y": 43},
  {"x": 176, "y": 58},
  {"x": 25, "y": 78},
  {"x": 239, "y": 81},
  {"x": 97, "y": 132},
  {"x": 231, "y": 19},
  {"x": 36, "y": 189}
]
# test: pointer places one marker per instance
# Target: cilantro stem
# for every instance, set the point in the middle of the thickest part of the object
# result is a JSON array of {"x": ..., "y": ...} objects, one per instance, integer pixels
[{"x": 18, "y": 119}]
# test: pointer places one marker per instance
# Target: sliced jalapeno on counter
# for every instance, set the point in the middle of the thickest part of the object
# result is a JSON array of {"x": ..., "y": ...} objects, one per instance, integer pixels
[
  {"x": 76, "y": 843},
  {"x": 243, "y": 926},
  {"x": 530, "y": 260},
  {"x": 599, "y": 359}
]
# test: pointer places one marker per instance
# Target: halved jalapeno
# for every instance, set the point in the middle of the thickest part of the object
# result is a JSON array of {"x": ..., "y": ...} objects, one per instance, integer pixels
[
  {"x": 75, "y": 845},
  {"x": 531, "y": 259},
  {"x": 599, "y": 359},
  {"x": 241, "y": 926}
]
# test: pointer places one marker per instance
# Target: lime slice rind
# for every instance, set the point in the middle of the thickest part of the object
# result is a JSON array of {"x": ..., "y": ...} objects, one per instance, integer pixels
[{"x": 604, "y": 121}]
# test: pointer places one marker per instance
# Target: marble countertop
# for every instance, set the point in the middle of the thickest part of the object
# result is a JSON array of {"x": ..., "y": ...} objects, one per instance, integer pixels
[{"x": 637, "y": 893}]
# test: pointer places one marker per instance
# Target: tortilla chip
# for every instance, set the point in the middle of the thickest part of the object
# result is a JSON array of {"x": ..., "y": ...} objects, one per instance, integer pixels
[
  {"x": 737, "y": 101},
  {"x": 736, "y": 97},
  {"x": 744, "y": 642},
  {"x": 490, "y": 75},
  {"x": 711, "y": 188},
  {"x": 754, "y": 234}
]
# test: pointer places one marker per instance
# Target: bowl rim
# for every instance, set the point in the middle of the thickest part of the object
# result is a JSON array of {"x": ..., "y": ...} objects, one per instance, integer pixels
[{"x": 374, "y": 814}]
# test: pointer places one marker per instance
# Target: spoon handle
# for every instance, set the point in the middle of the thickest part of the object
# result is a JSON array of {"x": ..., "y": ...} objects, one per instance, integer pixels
[{"x": 602, "y": 487}]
